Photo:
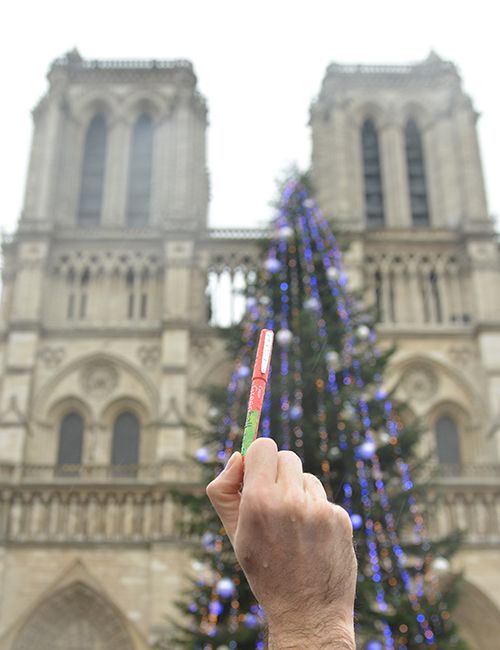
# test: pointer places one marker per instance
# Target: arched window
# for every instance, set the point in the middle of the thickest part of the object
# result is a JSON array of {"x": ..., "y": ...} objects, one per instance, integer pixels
[
  {"x": 69, "y": 455},
  {"x": 92, "y": 182},
  {"x": 372, "y": 174},
  {"x": 139, "y": 173},
  {"x": 416, "y": 175},
  {"x": 125, "y": 448},
  {"x": 447, "y": 442}
]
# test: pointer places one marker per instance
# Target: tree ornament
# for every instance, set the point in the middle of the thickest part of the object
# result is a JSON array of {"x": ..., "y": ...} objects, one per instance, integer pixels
[
  {"x": 202, "y": 455},
  {"x": 243, "y": 371},
  {"x": 285, "y": 232},
  {"x": 215, "y": 607},
  {"x": 296, "y": 412},
  {"x": 332, "y": 273},
  {"x": 312, "y": 304},
  {"x": 363, "y": 332},
  {"x": 333, "y": 453},
  {"x": 440, "y": 565},
  {"x": 251, "y": 621},
  {"x": 332, "y": 359},
  {"x": 284, "y": 338},
  {"x": 374, "y": 645},
  {"x": 207, "y": 540},
  {"x": 366, "y": 450},
  {"x": 348, "y": 411},
  {"x": 356, "y": 520},
  {"x": 272, "y": 265},
  {"x": 225, "y": 588},
  {"x": 384, "y": 438},
  {"x": 213, "y": 412}
]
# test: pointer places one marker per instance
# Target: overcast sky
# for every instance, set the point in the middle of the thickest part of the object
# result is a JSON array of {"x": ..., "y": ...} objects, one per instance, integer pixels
[{"x": 259, "y": 64}]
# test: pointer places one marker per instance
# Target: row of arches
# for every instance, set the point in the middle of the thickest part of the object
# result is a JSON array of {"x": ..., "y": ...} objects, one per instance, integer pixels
[
  {"x": 124, "y": 446},
  {"x": 140, "y": 166},
  {"x": 137, "y": 286},
  {"x": 418, "y": 289},
  {"x": 373, "y": 175}
]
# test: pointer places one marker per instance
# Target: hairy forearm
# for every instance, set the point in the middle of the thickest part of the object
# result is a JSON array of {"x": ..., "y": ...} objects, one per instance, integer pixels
[{"x": 315, "y": 638}]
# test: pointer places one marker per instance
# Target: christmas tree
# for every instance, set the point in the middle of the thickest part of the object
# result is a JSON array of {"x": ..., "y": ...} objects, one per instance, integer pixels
[{"x": 325, "y": 400}]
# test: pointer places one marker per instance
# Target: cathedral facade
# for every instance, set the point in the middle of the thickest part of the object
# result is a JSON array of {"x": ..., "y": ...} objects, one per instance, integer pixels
[{"x": 111, "y": 286}]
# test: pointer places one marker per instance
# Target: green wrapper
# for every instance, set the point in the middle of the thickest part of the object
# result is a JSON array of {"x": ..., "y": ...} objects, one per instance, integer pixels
[{"x": 250, "y": 430}]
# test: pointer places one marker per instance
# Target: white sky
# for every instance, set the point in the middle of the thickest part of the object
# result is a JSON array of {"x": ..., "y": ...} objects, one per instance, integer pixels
[{"x": 258, "y": 63}]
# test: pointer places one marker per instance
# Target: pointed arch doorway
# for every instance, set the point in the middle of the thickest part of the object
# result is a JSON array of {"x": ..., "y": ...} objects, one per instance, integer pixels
[{"x": 75, "y": 618}]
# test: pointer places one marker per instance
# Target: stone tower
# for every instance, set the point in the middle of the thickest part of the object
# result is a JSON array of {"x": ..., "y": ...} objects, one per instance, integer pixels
[
  {"x": 397, "y": 168},
  {"x": 103, "y": 296}
]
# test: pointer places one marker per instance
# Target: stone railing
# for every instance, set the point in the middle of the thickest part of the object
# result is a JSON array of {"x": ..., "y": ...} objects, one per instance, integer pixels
[
  {"x": 134, "y": 504},
  {"x": 240, "y": 233},
  {"x": 166, "y": 472},
  {"x": 69, "y": 514},
  {"x": 173, "y": 472},
  {"x": 469, "y": 502}
]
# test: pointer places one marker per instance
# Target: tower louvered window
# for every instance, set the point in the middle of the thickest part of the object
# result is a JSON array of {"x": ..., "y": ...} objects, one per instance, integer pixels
[
  {"x": 139, "y": 173},
  {"x": 372, "y": 174},
  {"x": 92, "y": 179},
  {"x": 416, "y": 175}
]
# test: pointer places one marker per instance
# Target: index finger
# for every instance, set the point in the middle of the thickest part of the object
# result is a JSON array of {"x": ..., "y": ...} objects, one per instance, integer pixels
[{"x": 261, "y": 463}]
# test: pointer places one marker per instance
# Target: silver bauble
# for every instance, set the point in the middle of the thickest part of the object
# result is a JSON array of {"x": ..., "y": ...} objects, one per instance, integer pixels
[{"x": 284, "y": 338}]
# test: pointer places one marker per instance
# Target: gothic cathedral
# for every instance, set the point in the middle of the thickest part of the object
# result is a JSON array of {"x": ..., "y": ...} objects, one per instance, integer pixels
[{"x": 113, "y": 281}]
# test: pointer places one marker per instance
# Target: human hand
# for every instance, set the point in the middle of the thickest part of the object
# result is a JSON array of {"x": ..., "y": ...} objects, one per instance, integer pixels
[{"x": 293, "y": 545}]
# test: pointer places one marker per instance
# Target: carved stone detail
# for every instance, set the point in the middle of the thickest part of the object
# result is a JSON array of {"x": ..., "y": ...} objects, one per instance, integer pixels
[
  {"x": 420, "y": 383},
  {"x": 99, "y": 379},
  {"x": 51, "y": 356},
  {"x": 149, "y": 355},
  {"x": 461, "y": 355}
]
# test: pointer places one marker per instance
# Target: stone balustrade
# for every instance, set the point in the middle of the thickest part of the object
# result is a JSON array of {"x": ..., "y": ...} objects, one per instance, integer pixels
[
  {"x": 470, "y": 504},
  {"x": 134, "y": 504},
  {"x": 71, "y": 514}
]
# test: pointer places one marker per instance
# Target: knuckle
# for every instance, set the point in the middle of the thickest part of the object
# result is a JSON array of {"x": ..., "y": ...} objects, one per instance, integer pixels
[
  {"x": 292, "y": 506},
  {"x": 288, "y": 455},
  {"x": 342, "y": 520},
  {"x": 312, "y": 479},
  {"x": 268, "y": 443},
  {"x": 211, "y": 490}
]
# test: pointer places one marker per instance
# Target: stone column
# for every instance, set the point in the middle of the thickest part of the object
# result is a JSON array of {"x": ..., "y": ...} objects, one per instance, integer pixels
[
  {"x": 471, "y": 172},
  {"x": 116, "y": 174},
  {"x": 43, "y": 164},
  {"x": 394, "y": 176},
  {"x": 443, "y": 290},
  {"x": 21, "y": 348},
  {"x": 416, "y": 308},
  {"x": 446, "y": 193},
  {"x": 175, "y": 347}
]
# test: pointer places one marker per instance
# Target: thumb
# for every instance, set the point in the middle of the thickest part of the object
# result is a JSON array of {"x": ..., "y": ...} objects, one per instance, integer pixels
[{"x": 224, "y": 493}]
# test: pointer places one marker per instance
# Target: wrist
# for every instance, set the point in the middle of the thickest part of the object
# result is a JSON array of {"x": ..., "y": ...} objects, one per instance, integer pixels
[{"x": 319, "y": 635}]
